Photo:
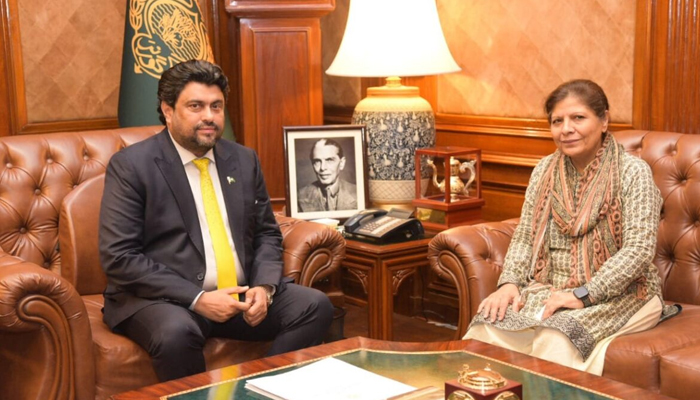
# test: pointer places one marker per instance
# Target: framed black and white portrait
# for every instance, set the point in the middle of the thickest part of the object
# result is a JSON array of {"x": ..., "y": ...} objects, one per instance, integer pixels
[{"x": 326, "y": 171}]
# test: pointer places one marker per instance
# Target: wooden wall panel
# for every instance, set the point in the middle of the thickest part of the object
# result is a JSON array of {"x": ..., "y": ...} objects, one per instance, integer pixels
[
  {"x": 6, "y": 71},
  {"x": 276, "y": 69},
  {"x": 14, "y": 75},
  {"x": 667, "y": 81},
  {"x": 280, "y": 88}
]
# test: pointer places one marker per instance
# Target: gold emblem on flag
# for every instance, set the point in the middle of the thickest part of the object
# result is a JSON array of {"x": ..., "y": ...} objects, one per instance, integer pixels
[{"x": 167, "y": 32}]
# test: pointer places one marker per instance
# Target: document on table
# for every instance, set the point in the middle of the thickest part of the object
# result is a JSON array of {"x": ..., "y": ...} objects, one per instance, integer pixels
[{"x": 327, "y": 379}]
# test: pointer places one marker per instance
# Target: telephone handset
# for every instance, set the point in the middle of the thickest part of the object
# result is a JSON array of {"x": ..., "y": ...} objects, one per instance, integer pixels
[
  {"x": 354, "y": 222},
  {"x": 381, "y": 226}
]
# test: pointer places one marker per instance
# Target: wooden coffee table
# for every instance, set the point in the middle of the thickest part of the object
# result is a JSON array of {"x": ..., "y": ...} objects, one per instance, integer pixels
[{"x": 541, "y": 376}]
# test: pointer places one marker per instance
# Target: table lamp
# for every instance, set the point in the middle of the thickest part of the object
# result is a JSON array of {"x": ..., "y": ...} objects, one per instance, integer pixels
[{"x": 393, "y": 38}]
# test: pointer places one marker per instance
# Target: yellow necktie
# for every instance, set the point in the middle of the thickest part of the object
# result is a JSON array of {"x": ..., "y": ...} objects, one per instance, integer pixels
[{"x": 225, "y": 263}]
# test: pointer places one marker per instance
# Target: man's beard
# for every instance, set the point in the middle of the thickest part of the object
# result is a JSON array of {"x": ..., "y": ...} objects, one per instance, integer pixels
[{"x": 205, "y": 143}]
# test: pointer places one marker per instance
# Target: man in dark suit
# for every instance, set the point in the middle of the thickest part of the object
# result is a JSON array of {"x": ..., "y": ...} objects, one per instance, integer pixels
[{"x": 161, "y": 246}]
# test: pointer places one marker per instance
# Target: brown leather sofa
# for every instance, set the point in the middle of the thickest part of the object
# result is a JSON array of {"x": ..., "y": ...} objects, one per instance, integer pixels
[
  {"x": 665, "y": 359},
  {"x": 53, "y": 343}
]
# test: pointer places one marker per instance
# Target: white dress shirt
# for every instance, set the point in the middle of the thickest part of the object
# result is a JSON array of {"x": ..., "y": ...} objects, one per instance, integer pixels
[{"x": 193, "y": 177}]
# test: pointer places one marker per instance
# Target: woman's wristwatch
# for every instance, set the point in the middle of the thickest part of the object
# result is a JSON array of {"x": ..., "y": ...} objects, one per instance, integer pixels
[{"x": 581, "y": 293}]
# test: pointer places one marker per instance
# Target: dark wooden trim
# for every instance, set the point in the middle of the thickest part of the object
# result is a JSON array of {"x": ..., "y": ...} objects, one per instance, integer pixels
[
  {"x": 333, "y": 115},
  {"x": 14, "y": 72},
  {"x": 510, "y": 159},
  {"x": 524, "y": 127},
  {"x": 6, "y": 78},
  {"x": 71, "y": 125},
  {"x": 667, "y": 60},
  {"x": 279, "y": 8},
  {"x": 643, "y": 65}
]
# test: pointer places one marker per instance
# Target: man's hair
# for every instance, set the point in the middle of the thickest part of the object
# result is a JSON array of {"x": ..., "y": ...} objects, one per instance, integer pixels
[
  {"x": 174, "y": 80},
  {"x": 326, "y": 142},
  {"x": 588, "y": 92}
]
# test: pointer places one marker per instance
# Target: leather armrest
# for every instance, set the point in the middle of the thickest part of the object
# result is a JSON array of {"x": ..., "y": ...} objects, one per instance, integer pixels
[
  {"x": 45, "y": 336},
  {"x": 472, "y": 258},
  {"x": 311, "y": 251}
]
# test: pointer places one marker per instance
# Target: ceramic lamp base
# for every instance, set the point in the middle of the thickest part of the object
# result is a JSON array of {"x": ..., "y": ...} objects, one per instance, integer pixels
[{"x": 398, "y": 121}]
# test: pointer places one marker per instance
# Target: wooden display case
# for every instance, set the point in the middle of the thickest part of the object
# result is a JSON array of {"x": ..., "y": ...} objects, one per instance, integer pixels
[{"x": 448, "y": 187}]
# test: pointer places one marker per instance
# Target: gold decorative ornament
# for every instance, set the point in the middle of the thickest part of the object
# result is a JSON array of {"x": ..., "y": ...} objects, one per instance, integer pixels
[
  {"x": 482, "y": 379},
  {"x": 460, "y": 395},
  {"x": 482, "y": 384},
  {"x": 507, "y": 395},
  {"x": 166, "y": 32}
]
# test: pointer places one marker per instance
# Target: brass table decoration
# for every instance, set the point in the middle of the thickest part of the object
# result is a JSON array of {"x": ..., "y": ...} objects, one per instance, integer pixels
[{"x": 482, "y": 384}]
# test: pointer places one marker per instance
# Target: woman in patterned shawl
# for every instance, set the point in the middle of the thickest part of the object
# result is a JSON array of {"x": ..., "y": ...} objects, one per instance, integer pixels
[{"x": 579, "y": 269}]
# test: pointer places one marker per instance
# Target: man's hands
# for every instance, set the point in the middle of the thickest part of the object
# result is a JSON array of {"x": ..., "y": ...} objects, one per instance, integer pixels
[
  {"x": 256, "y": 298},
  {"x": 496, "y": 304},
  {"x": 219, "y": 306}
]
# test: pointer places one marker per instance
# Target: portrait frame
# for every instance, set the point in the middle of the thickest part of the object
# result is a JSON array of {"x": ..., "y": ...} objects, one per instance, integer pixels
[{"x": 301, "y": 177}]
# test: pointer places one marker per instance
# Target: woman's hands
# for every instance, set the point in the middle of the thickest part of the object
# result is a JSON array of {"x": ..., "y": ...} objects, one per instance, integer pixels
[
  {"x": 558, "y": 300},
  {"x": 496, "y": 304}
]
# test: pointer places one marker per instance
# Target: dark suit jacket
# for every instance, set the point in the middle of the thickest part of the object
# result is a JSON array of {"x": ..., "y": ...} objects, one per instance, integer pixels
[{"x": 151, "y": 244}]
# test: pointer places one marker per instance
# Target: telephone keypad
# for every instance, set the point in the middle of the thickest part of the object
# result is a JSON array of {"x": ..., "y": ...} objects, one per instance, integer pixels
[{"x": 380, "y": 225}]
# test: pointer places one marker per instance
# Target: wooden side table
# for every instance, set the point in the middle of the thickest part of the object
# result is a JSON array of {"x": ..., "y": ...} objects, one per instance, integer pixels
[{"x": 381, "y": 269}]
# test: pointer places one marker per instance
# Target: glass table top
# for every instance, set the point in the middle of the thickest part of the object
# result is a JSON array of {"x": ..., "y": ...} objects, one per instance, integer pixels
[{"x": 418, "y": 369}]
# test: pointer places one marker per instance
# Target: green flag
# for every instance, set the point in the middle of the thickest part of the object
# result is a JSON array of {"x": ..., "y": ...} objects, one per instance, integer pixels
[{"x": 157, "y": 35}]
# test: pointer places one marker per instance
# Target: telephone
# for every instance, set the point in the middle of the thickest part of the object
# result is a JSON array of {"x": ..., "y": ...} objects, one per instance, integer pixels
[{"x": 381, "y": 226}]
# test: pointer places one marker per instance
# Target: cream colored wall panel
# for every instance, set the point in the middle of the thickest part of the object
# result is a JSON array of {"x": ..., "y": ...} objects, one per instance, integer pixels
[
  {"x": 514, "y": 52},
  {"x": 71, "y": 55}
]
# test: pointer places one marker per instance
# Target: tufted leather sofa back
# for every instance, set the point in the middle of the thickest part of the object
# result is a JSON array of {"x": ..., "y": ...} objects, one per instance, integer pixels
[
  {"x": 675, "y": 162},
  {"x": 77, "y": 237},
  {"x": 37, "y": 172}
]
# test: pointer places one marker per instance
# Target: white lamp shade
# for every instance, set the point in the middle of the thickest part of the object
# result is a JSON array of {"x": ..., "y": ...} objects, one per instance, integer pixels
[{"x": 393, "y": 38}]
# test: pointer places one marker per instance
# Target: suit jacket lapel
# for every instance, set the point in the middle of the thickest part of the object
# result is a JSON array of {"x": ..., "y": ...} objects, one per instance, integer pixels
[
  {"x": 173, "y": 171},
  {"x": 228, "y": 168}
]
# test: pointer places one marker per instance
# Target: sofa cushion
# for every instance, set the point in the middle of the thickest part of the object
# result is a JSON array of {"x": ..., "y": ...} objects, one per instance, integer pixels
[
  {"x": 120, "y": 362},
  {"x": 679, "y": 373},
  {"x": 635, "y": 359}
]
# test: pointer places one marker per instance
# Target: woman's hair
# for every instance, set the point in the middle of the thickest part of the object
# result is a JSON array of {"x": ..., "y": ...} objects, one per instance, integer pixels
[
  {"x": 174, "y": 80},
  {"x": 586, "y": 91}
]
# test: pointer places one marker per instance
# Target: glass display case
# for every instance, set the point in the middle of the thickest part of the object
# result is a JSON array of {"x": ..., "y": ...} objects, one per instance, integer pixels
[{"x": 448, "y": 190}]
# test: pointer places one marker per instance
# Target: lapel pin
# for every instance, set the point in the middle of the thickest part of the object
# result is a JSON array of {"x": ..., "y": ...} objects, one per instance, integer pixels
[{"x": 229, "y": 179}]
